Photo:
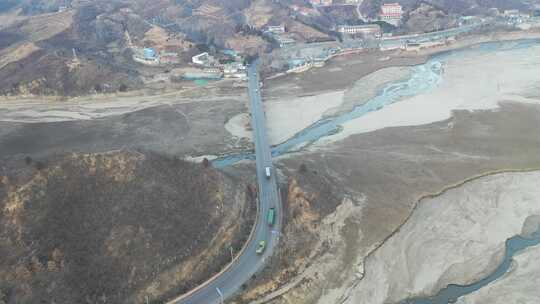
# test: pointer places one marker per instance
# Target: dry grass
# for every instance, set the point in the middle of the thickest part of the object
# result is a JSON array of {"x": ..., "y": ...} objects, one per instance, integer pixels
[
  {"x": 45, "y": 26},
  {"x": 304, "y": 31},
  {"x": 157, "y": 35},
  {"x": 11, "y": 18},
  {"x": 160, "y": 39},
  {"x": 247, "y": 44},
  {"x": 121, "y": 225},
  {"x": 259, "y": 13},
  {"x": 17, "y": 52},
  {"x": 208, "y": 10}
]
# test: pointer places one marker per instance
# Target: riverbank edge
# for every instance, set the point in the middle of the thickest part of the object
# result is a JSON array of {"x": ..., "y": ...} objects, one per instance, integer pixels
[
  {"x": 429, "y": 195},
  {"x": 426, "y": 57},
  {"x": 494, "y": 262},
  {"x": 467, "y": 41}
]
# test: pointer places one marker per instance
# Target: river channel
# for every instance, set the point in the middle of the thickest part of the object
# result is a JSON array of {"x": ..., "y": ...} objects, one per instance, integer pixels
[
  {"x": 451, "y": 293},
  {"x": 423, "y": 79}
]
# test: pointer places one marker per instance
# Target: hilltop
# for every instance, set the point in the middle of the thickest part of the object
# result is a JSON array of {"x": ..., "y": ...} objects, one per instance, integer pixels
[
  {"x": 77, "y": 47},
  {"x": 115, "y": 227}
]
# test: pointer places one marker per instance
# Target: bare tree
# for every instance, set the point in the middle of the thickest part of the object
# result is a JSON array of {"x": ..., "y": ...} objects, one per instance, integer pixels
[{"x": 206, "y": 162}]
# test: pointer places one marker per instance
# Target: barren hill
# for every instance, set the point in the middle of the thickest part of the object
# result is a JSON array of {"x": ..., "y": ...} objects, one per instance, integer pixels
[{"x": 114, "y": 227}]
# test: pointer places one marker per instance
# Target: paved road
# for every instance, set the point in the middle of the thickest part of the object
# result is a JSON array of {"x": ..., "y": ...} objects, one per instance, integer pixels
[
  {"x": 359, "y": 10},
  {"x": 246, "y": 265},
  {"x": 434, "y": 36}
]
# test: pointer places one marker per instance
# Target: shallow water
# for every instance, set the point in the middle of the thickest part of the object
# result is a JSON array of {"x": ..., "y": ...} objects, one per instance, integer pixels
[
  {"x": 423, "y": 79},
  {"x": 451, "y": 293}
]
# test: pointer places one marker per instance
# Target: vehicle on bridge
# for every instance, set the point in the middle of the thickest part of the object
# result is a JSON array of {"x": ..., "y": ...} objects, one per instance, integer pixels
[
  {"x": 271, "y": 217},
  {"x": 261, "y": 247}
]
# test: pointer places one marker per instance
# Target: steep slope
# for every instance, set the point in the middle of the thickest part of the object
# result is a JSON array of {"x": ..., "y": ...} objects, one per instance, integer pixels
[{"x": 115, "y": 227}]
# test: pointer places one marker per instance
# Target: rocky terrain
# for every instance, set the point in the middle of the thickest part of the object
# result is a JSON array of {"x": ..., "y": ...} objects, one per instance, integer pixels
[
  {"x": 427, "y": 18},
  {"x": 73, "y": 47},
  {"x": 310, "y": 199},
  {"x": 46, "y": 63},
  {"x": 115, "y": 227},
  {"x": 87, "y": 46}
]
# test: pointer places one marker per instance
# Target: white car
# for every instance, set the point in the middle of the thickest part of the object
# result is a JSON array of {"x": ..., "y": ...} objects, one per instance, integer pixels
[{"x": 268, "y": 172}]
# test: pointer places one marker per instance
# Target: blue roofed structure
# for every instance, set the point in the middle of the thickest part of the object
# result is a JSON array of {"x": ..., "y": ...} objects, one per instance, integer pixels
[{"x": 149, "y": 53}]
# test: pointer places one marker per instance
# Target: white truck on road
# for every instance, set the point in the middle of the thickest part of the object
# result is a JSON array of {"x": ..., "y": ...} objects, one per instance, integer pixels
[{"x": 268, "y": 172}]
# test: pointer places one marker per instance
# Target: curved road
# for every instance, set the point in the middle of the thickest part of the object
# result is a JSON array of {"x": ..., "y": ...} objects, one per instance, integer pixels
[
  {"x": 243, "y": 268},
  {"x": 359, "y": 11}
]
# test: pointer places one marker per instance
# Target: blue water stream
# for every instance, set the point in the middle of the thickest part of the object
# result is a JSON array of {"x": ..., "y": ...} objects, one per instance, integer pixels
[
  {"x": 451, "y": 293},
  {"x": 423, "y": 79}
]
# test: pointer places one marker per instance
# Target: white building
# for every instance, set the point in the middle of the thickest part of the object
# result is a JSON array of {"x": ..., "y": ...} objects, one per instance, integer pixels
[
  {"x": 202, "y": 59},
  {"x": 233, "y": 67},
  {"x": 391, "y": 13},
  {"x": 369, "y": 29},
  {"x": 284, "y": 40},
  {"x": 321, "y": 2},
  {"x": 511, "y": 13},
  {"x": 275, "y": 29}
]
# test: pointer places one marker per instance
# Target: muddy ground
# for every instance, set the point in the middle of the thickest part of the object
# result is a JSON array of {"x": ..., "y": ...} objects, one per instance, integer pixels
[
  {"x": 339, "y": 73},
  {"x": 377, "y": 180},
  {"x": 457, "y": 237},
  {"x": 181, "y": 129},
  {"x": 189, "y": 123}
]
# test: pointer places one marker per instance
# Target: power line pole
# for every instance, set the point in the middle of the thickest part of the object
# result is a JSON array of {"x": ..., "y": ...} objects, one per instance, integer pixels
[{"x": 220, "y": 295}]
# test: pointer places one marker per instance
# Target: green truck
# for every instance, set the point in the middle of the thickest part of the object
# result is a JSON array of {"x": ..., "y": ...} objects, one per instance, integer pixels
[{"x": 271, "y": 216}]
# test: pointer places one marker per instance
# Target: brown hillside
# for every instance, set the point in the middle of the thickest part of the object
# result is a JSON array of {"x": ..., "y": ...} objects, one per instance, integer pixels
[{"x": 115, "y": 227}]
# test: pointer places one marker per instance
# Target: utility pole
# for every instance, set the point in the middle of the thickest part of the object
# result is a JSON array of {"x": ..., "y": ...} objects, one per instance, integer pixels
[{"x": 220, "y": 295}]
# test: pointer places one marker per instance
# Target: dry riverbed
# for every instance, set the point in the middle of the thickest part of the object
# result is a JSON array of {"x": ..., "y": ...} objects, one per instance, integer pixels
[
  {"x": 381, "y": 175},
  {"x": 472, "y": 80},
  {"x": 456, "y": 238},
  {"x": 482, "y": 118},
  {"x": 520, "y": 285},
  {"x": 347, "y": 196}
]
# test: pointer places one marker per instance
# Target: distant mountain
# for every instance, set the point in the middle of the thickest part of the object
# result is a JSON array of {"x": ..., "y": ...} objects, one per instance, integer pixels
[
  {"x": 45, "y": 33},
  {"x": 72, "y": 47}
]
